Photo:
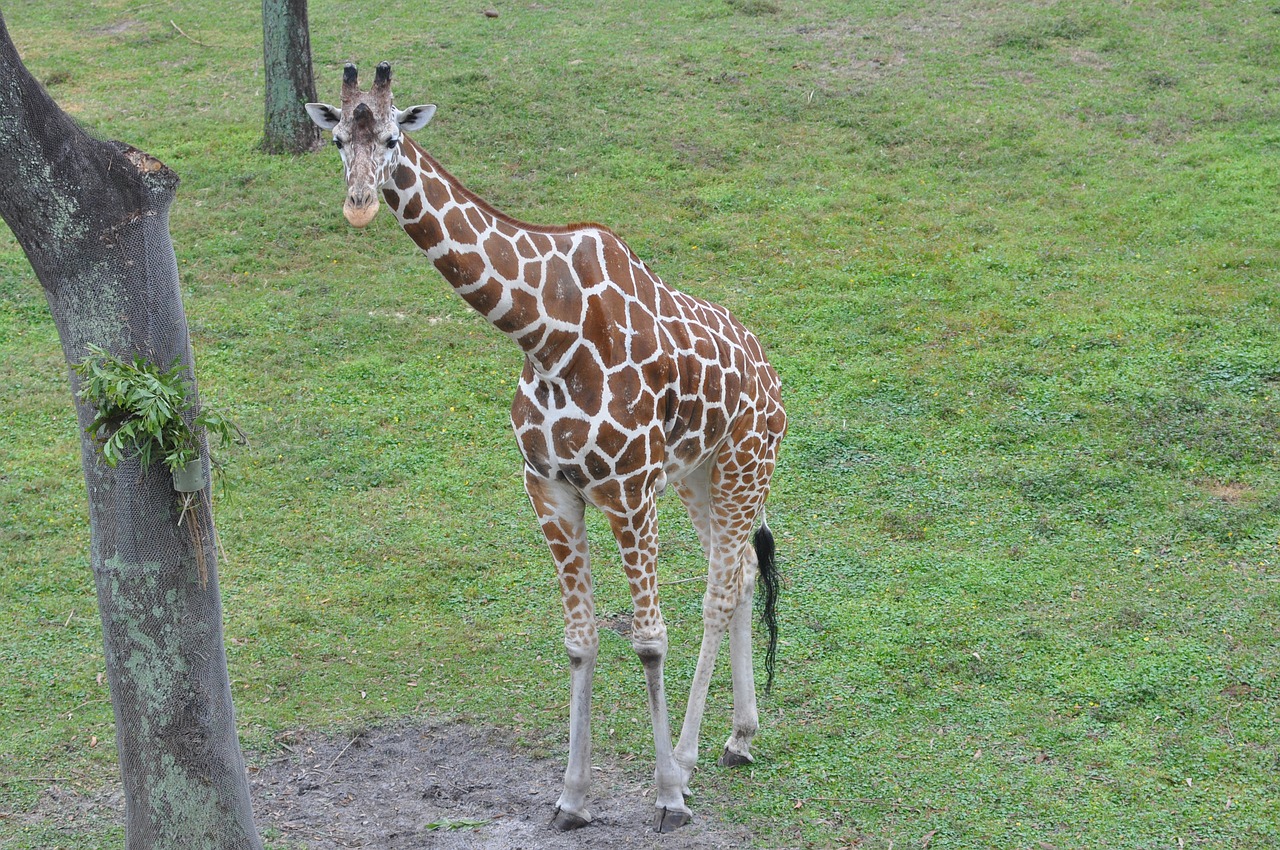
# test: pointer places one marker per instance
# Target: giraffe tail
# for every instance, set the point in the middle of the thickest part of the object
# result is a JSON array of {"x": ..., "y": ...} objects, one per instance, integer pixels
[{"x": 769, "y": 582}]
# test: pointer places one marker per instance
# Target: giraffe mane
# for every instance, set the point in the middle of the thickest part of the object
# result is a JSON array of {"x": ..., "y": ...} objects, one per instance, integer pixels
[{"x": 472, "y": 197}]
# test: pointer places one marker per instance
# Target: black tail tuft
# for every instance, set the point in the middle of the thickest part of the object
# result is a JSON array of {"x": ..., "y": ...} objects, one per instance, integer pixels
[{"x": 763, "y": 541}]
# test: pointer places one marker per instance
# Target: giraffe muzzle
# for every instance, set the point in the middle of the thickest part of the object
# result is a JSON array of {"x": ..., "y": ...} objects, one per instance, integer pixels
[{"x": 359, "y": 212}]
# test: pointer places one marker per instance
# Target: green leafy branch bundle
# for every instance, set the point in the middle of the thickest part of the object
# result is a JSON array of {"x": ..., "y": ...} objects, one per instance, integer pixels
[{"x": 140, "y": 411}]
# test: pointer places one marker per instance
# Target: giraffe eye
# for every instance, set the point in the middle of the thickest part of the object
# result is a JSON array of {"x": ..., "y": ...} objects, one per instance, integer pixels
[
  {"x": 392, "y": 142},
  {"x": 337, "y": 143}
]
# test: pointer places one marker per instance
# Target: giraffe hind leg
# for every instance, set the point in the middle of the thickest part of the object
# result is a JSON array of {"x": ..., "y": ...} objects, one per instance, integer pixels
[
  {"x": 726, "y": 608},
  {"x": 734, "y": 498},
  {"x": 746, "y": 721}
]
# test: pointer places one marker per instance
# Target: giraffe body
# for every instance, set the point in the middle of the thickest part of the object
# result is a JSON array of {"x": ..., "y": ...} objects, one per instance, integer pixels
[{"x": 628, "y": 386}]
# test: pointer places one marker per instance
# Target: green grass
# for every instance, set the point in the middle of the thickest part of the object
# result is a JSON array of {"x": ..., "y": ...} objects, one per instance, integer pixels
[{"x": 1016, "y": 264}]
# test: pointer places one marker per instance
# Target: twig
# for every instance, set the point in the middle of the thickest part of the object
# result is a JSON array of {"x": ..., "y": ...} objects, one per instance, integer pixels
[
  {"x": 86, "y": 704},
  {"x": 681, "y": 581},
  {"x": 184, "y": 35},
  {"x": 341, "y": 754},
  {"x": 35, "y": 779},
  {"x": 196, "y": 535},
  {"x": 217, "y": 542},
  {"x": 188, "y": 504}
]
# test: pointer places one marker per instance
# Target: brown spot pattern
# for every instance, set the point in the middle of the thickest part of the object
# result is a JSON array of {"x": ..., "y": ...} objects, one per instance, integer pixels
[{"x": 413, "y": 209}]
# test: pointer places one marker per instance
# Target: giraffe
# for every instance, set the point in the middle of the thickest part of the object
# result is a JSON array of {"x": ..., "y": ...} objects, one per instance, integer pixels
[{"x": 628, "y": 386}]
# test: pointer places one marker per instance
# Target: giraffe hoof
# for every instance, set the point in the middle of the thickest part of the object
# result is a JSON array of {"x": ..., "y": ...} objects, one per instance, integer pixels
[
  {"x": 731, "y": 759},
  {"x": 565, "y": 821},
  {"x": 669, "y": 820}
]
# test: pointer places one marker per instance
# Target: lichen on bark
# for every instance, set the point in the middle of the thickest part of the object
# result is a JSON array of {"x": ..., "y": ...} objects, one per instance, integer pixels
[{"x": 92, "y": 217}]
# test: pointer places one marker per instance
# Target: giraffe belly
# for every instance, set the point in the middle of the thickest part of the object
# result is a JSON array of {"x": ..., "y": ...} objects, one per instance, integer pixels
[{"x": 607, "y": 462}]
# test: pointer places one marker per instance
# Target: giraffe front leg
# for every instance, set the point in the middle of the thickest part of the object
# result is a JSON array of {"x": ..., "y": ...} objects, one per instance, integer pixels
[
  {"x": 637, "y": 535},
  {"x": 571, "y": 809},
  {"x": 672, "y": 812},
  {"x": 695, "y": 492},
  {"x": 560, "y": 511}
]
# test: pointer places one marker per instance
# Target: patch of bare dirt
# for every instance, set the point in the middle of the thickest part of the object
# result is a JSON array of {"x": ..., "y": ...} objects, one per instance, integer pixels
[
  {"x": 853, "y": 52},
  {"x": 1088, "y": 59},
  {"x": 456, "y": 787},
  {"x": 1231, "y": 492},
  {"x": 118, "y": 28},
  {"x": 430, "y": 786}
]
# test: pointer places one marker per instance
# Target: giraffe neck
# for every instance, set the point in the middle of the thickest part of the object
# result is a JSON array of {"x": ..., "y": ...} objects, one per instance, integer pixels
[{"x": 515, "y": 275}]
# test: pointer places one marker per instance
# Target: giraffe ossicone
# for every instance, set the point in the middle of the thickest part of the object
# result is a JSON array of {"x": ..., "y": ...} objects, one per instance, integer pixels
[{"x": 628, "y": 386}]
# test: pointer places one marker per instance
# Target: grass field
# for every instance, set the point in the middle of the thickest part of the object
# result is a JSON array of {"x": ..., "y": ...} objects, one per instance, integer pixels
[{"x": 1016, "y": 264}]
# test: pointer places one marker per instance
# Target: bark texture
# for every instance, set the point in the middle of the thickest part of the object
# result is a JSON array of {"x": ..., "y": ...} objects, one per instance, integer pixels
[
  {"x": 92, "y": 217},
  {"x": 286, "y": 54}
]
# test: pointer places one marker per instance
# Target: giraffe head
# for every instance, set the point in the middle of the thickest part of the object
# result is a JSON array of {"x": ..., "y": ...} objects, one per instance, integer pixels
[{"x": 366, "y": 131}]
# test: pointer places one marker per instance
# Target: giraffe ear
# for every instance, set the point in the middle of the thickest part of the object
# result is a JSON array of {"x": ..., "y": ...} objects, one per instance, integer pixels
[
  {"x": 415, "y": 117},
  {"x": 325, "y": 116}
]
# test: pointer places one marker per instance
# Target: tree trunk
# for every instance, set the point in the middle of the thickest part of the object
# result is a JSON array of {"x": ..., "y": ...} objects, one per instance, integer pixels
[
  {"x": 286, "y": 54},
  {"x": 93, "y": 219}
]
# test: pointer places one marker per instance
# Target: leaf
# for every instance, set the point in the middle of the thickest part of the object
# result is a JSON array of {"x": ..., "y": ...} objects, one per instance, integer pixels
[{"x": 461, "y": 823}]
